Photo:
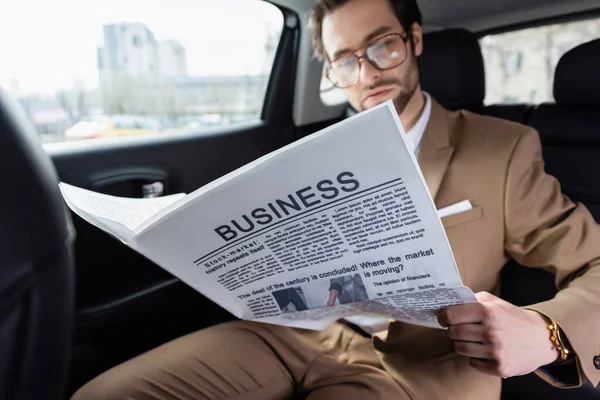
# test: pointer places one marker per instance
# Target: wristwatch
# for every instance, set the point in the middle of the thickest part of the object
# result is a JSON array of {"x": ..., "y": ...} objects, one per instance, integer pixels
[{"x": 560, "y": 341}]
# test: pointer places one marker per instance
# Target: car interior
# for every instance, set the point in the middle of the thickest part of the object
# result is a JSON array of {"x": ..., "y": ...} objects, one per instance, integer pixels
[{"x": 75, "y": 302}]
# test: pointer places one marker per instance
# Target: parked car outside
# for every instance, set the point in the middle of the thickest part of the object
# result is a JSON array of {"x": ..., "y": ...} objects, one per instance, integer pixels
[{"x": 111, "y": 126}]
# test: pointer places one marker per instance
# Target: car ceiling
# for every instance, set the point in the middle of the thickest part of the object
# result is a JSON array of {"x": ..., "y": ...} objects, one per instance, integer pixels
[{"x": 480, "y": 15}]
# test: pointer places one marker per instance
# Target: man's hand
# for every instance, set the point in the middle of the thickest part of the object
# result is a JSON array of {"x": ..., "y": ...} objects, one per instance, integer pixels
[{"x": 499, "y": 338}]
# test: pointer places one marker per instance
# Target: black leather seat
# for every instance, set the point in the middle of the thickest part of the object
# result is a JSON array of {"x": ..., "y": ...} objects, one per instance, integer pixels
[
  {"x": 570, "y": 127},
  {"x": 452, "y": 70},
  {"x": 520, "y": 113},
  {"x": 36, "y": 271}
]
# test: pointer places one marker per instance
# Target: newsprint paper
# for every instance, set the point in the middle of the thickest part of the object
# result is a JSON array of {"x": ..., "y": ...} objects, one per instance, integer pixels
[{"x": 338, "y": 224}]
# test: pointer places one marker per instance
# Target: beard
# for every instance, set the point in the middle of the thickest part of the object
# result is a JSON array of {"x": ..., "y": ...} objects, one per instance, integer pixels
[{"x": 408, "y": 86}]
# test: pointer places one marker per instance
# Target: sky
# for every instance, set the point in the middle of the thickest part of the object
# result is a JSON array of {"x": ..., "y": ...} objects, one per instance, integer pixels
[{"x": 48, "y": 45}]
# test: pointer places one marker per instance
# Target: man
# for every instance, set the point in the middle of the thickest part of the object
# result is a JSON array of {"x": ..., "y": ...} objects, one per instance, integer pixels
[{"x": 371, "y": 47}]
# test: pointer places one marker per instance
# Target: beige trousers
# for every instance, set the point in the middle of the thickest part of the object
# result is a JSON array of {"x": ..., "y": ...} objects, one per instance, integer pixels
[{"x": 247, "y": 360}]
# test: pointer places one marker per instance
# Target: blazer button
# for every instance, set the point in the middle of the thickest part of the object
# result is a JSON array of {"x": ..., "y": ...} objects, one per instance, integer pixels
[{"x": 597, "y": 362}]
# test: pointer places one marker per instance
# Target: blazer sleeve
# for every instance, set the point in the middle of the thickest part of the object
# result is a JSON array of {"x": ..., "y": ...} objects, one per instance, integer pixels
[{"x": 545, "y": 229}]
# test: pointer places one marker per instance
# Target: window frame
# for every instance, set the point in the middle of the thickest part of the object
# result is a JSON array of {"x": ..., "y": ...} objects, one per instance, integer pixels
[{"x": 281, "y": 83}]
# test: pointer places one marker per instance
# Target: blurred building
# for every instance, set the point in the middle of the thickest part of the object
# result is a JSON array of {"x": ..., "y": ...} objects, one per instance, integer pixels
[
  {"x": 219, "y": 94},
  {"x": 130, "y": 50},
  {"x": 172, "y": 62},
  {"x": 142, "y": 76}
]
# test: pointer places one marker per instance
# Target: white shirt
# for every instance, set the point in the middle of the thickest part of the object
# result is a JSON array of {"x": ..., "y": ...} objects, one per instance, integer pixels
[
  {"x": 413, "y": 139},
  {"x": 415, "y": 134}
]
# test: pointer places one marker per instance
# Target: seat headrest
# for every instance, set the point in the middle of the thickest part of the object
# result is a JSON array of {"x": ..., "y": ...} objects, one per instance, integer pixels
[
  {"x": 34, "y": 216},
  {"x": 576, "y": 76},
  {"x": 452, "y": 69}
]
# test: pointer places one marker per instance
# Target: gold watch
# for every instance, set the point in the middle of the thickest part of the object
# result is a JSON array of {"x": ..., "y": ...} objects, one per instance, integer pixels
[{"x": 559, "y": 340}]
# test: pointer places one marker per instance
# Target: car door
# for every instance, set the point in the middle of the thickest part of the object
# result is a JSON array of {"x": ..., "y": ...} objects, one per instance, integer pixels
[{"x": 229, "y": 61}]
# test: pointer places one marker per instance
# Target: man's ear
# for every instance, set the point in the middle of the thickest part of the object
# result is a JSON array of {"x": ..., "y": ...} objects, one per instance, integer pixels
[{"x": 417, "y": 39}]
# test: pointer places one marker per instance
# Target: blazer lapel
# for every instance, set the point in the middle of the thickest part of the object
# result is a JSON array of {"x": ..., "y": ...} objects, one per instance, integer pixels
[{"x": 436, "y": 150}]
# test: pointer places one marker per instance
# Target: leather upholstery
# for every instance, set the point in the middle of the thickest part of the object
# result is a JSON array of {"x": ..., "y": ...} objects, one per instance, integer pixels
[
  {"x": 452, "y": 69},
  {"x": 36, "y": 267},
  {"x": 576, "y": 77}
]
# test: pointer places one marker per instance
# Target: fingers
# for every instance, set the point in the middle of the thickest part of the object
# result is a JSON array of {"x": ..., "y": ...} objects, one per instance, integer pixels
[
  {"x": 467, "y": 332},
  {"x": 471, "y": 313},
  {"x": 473, "y": 349},
  {"x": 491, "y": 333},
  {"x": 485, "y": 296}
]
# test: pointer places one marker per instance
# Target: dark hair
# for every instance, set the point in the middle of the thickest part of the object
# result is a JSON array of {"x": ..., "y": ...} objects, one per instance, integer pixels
[{"x": 407, "y": 12}]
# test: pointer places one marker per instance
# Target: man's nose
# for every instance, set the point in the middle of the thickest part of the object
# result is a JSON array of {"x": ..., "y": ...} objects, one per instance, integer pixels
[{"x": 368, "y": 73}]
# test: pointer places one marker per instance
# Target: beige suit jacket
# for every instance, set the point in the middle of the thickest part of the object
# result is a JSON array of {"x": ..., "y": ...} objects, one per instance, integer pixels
[{"x": 518, "y": 212}]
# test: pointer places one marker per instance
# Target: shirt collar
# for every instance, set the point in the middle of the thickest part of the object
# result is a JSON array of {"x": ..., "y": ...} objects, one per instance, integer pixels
[{"x": 415, "y": 134}]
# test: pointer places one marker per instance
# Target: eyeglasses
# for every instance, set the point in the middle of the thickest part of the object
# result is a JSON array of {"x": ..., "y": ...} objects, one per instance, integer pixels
[{"x": 384, "y": 53}]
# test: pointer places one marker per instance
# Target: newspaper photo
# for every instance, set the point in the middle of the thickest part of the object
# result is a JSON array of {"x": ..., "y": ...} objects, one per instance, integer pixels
[{"x": 339, "y": 224}]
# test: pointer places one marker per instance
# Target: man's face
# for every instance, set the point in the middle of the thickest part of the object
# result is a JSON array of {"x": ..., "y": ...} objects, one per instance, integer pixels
[{"x": 359, "y": 23}]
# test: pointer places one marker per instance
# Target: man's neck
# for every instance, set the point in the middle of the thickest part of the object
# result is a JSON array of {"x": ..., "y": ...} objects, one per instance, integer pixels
[{"x": 413, "y": 110}]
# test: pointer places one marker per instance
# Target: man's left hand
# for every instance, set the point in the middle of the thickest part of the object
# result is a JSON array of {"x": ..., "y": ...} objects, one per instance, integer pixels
[{"x": 499, "y": 338}]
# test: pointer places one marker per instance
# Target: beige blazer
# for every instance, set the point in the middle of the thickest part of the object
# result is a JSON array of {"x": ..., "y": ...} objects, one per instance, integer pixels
[{"x": 518, "y": 211}]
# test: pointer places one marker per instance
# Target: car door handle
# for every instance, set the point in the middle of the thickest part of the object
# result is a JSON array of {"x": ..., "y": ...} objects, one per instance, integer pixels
[
  {"x": 132, "y": 182},
  {"x": 154, "y": 189}
]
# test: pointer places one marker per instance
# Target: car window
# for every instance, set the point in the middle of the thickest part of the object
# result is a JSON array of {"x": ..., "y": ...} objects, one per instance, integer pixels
[
  {"x": 519, "y": 65},
  {"x": 98, "y": 68}
]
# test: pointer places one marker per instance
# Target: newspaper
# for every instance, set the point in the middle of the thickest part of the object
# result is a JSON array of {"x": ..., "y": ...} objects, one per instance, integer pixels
[{"x": 335, "y": 225}]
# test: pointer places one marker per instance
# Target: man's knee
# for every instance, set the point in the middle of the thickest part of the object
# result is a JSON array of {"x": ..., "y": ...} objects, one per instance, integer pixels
[
  {"x": 225, "y": 360},
  {"x": 101, "y": 388}
]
